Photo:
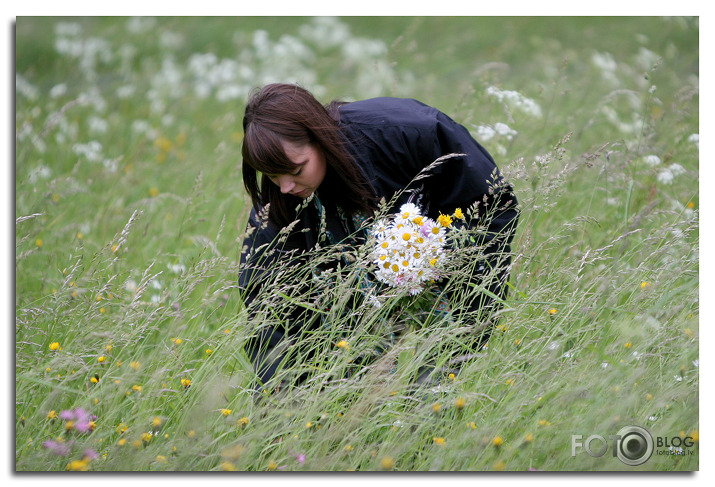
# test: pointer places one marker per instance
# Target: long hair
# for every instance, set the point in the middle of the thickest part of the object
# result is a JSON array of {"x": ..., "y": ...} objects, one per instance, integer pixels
[{"x": 285, "y": 112}]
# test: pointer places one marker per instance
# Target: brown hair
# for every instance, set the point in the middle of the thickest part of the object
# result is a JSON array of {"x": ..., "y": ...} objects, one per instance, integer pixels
[{"x": 279, "y": 112}]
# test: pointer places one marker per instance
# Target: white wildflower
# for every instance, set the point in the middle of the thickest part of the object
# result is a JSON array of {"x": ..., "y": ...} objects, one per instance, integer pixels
[
  {"x": 325, "y": 32},
  {"x": 652, "y": 160},
  {"x": 176, "y": 268},
  {"x": 485, "y": 132},
  {"x": 676, "y": 169},
  {"x": 696, "y": 362},
  {"x": 58, "y": 90},
  {"x": 126, "y": 91},
  {"x": 91, "y": 150},
  {"x": 97, "y": 125},
  {"x": 665, "y": 176},
  {"x": 695, "y": 138},
  {"x": 68, "y": 29},
  {"x": 137, "y": 25},
  {"x": 515, "y": 100},
  {"x": 40, "y": 172}
]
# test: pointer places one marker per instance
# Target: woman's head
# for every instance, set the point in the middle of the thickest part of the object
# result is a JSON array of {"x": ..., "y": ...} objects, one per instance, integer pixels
[{"x": 297, "y": 146}]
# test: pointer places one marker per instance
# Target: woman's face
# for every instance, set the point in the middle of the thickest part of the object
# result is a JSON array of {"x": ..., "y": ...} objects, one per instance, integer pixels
[{"x": 309, "y": 172}]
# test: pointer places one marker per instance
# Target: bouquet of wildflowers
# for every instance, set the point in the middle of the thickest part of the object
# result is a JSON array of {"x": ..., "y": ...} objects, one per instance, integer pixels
[{"x": 410, "y": 249}]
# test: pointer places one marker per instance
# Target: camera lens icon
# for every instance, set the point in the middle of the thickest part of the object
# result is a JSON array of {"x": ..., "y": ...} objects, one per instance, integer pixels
[{"x": 635, "y": 445}]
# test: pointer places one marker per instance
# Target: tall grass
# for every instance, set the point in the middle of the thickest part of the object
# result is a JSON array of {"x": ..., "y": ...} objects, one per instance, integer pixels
[{"x": 130, "y": 216}]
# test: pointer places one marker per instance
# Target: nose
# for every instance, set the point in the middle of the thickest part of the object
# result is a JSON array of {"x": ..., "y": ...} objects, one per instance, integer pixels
[{"x": 286, "y": 184}]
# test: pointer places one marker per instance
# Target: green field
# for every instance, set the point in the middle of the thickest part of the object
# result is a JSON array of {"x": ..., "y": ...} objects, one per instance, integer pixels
[{"x": 130, "y": 211}]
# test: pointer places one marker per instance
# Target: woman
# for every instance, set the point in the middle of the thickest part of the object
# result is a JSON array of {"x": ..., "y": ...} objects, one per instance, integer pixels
[{"x": 340, "y": 161}]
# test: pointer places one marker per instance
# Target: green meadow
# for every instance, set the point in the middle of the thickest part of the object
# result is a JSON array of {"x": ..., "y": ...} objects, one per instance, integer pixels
[{"x": 130, "y": 214}]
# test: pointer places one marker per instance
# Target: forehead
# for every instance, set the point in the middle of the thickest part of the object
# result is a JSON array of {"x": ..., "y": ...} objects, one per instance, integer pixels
[{"x": 297, "y": 153}]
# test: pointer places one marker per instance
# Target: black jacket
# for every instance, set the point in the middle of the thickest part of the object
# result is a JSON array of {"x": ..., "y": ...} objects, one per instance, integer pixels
[{"x": 392, "y": 140}]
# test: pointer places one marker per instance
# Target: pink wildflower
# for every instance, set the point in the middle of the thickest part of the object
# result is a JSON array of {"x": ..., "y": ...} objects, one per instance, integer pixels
[{"x": 58, "y": 448}]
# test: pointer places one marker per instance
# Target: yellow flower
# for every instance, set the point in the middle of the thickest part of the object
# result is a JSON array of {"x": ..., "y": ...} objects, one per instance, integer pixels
[
  {"x": 146, "y": 437},
  {"x": 156, "y": 421},
  {"x": 510, "y": 382},
  {"x": 209, "y": 351},
  {"x": 553, "y": 311},
  {"x": 54, "y": 346},
  {"x": 458, "y": 214},
  {"x": 438, "y": 441},
  {"x": 459, "y": 403},
  {"x": 233, "y": 452},
  {"x": 472, "y": 425},
  {"x": 80, "y": 236},
  {"x": 177, "y": 341},
  {"x": 645, "y": 284},
  {"x": 94, "y": 380},
  {"x": 649, "y": 397},
  {"x": 243, "y": 422},
  {"x": 153, "y": 192},
  {"x": 227, "y": 467},
  {"x": 628, "y": 345},
  {"x": 543, "y": 422},
  {"x": 349, "y": 448},
  {"x": 52, "y": 414},
  {"x": 101, "y": 359},
  {"x": 272, "y": 465},
  {"x": 499, "y": 465},
  {"x": 342, "y": 344},
  {"x": 444, "y": 220},
  {"x": 690, "y": 205},
  {"x": 695, "y": 435},
  {"x": 387, "y": 463},
  {"x": 163, "y": 144},
  {"x": 225, "y": 412},
  {"x": 160, "y": 459},
  {"x": 497, "y": 441},
  {"x": 436, "y": 407},
  {"x": 452, "y": 377},
  {"x": 79, "y": 465},
  {"x": 185, "y": 382},
  {"x": 38, "y": 242},
  {"x": 122, "y": 442},
  {"x": 529, "y": 438},
  {"x": 137, "y": 388}
]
